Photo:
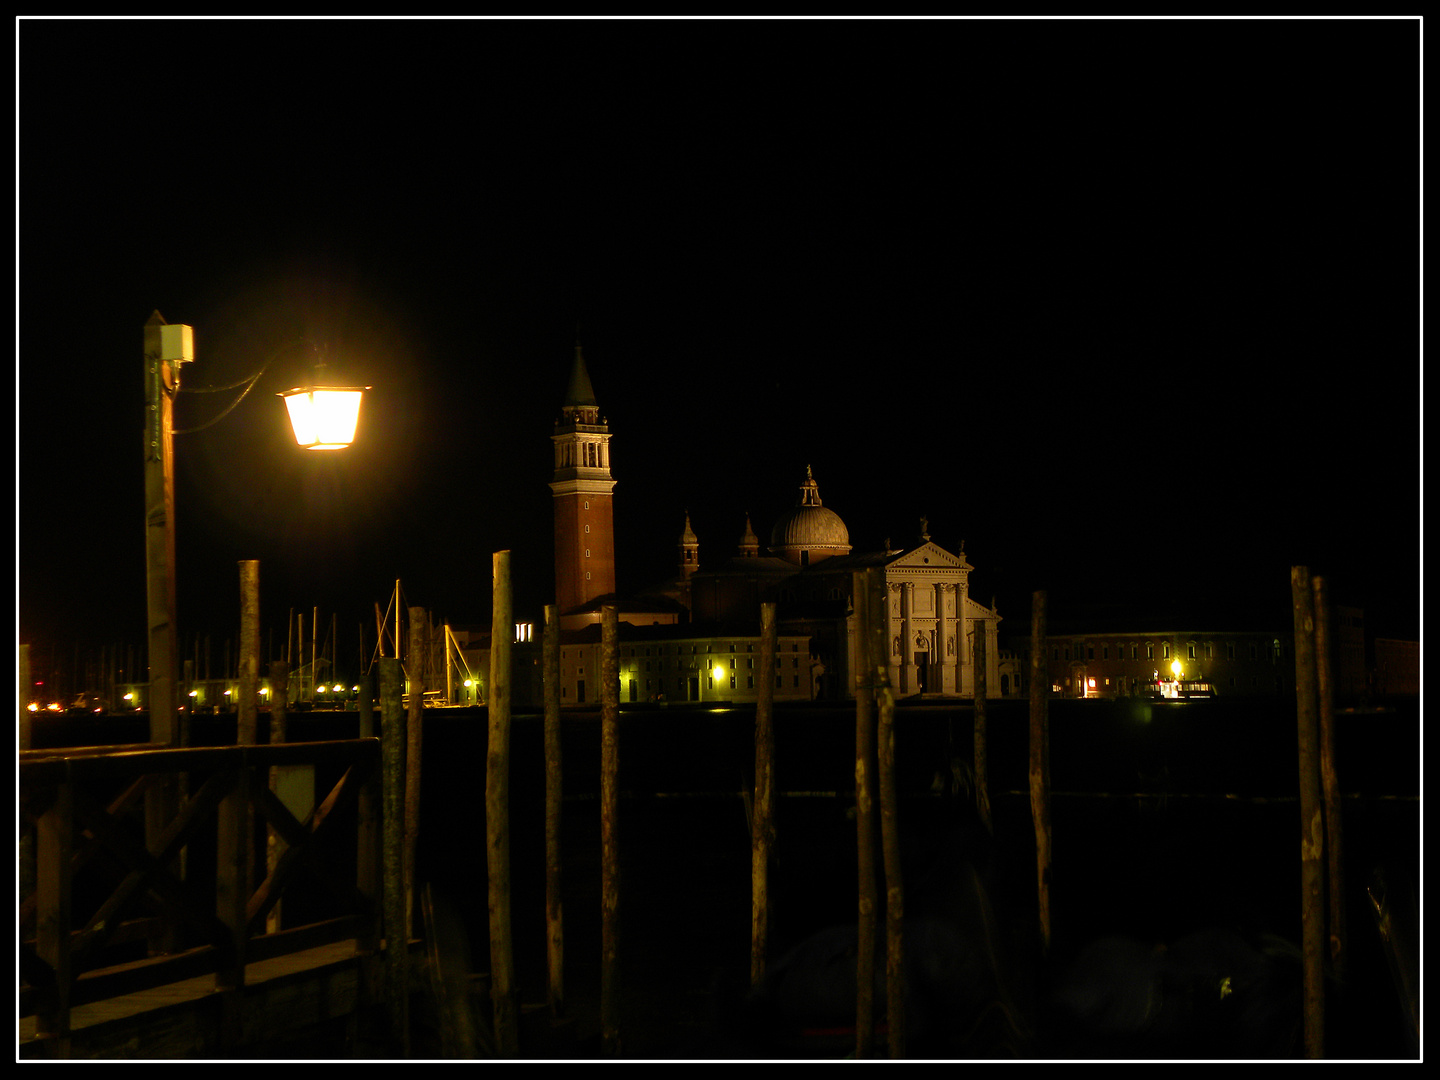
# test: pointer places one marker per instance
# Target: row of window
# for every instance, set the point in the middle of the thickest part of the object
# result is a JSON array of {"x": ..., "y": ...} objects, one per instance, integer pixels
[
  {"x": 749, "y": 664},
  {"x": 658, "y": 686},
  {"x": 1192, "y": 651},
  {"x": 679, "y": 649},
  {"x": 1131, "y": 684}
]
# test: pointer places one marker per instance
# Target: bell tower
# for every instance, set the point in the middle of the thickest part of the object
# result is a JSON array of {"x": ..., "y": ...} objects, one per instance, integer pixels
[
  {"x": 689, "y": 550},
  {"x": 584, "y": 518}
]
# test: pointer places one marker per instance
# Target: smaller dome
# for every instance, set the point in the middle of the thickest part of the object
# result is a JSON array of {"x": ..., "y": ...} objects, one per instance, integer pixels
[{"x": 688, "y": 536}]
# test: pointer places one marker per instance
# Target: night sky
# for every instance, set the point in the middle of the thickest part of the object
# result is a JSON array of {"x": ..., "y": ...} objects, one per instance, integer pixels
[{"x": 1131, "y": 307}]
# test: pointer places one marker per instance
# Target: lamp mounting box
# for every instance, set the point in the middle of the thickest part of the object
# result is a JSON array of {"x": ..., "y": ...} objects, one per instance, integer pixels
[{"x": 177, "y": 343}]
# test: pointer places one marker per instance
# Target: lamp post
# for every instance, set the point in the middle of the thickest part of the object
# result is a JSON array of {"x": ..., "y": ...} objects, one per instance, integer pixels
[
  {"x": 167, "y": 349},
  {"x": 322, "y": 417}
]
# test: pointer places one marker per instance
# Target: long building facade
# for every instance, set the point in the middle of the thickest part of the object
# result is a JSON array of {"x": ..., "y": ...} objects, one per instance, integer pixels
[{"x": 1243, "y": 663}]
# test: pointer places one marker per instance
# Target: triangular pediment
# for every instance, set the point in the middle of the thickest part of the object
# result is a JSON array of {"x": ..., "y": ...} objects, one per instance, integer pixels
[
  {"x": 976, "y": 610},
  {"x": 928, "y": 556}
]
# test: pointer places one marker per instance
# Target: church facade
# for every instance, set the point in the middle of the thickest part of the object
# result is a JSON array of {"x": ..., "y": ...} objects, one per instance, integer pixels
[{"x": 711, "y": 607}]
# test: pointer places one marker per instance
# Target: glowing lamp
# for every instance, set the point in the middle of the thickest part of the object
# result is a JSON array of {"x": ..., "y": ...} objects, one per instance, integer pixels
[
  {"x": 719, "y": 672},
  {"x": 324, "y": 417},
  {"x": 1175, "y": 667}
]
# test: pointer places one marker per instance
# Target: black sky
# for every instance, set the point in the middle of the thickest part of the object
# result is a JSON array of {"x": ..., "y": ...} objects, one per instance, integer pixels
[{"x": 1129, "y": 306}]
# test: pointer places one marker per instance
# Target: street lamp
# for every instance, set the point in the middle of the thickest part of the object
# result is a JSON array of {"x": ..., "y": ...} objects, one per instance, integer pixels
[
  {"x": 324, "y": 417},
  {"x": 168, "y": 347}
]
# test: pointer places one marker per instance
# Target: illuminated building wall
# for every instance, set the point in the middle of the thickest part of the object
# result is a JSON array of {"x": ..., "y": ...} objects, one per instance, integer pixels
[
  {"x": 659, "y": 663},
  {"x": 1235, "y": 663}
]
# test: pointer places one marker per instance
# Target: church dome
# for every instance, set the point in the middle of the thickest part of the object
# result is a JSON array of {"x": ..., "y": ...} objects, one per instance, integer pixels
[{"x": 809, "y": 531}]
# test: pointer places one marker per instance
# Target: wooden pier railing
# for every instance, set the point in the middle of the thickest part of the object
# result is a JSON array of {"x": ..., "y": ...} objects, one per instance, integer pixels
[{"x": 86, "y": 807}]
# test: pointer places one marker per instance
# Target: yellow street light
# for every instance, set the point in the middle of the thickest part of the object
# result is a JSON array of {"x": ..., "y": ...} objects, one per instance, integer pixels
[
  {"x": 324, "y": 417},
  {"x": 1175, "y": 667}
]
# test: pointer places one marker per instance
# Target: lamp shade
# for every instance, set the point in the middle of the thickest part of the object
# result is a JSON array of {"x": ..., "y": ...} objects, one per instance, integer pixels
[{"x": 324, "y": 417}]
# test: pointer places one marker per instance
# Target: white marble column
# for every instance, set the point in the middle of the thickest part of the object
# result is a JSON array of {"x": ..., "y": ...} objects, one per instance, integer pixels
[{"x": 907, "y": 638}]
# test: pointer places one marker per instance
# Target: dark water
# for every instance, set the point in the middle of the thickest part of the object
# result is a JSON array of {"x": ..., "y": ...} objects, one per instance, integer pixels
[
  {"x": 1145, "y": 842},
  {"x": 1181, "y": 859}
]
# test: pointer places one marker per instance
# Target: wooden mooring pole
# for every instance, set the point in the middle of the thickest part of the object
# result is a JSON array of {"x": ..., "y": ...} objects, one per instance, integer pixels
[
  {"x": 301, "y": 666},
  {"x": 367, "y": 864},
  {"x": 504, "y": 994},
  {"x": 1312, "y": 827},
  {"x": 889, "y": 815},
  {"x": 235, "y": 850},
  {"x": 393, "y": 853},
  {"x": 24, "y": 680},
  {"x": 864, "y": 819},
  {"x": 554, "y": 793},
  {"x": 610, "y": 831},
  {"x": 982, "y": 738},
  {"x": 1330, "y": 779},
  {"x": 274, "y": 844},
  {"x": 369, "y": 877},
  {"x": 1040, "y": 762},
  {"x": 762, "y": 822},
  {"x": 414, "y": 734}
]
